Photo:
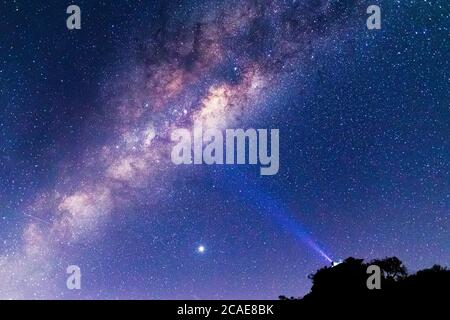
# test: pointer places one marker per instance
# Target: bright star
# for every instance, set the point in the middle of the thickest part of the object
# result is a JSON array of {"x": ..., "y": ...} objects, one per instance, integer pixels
[{"x": 201, "y": 249}]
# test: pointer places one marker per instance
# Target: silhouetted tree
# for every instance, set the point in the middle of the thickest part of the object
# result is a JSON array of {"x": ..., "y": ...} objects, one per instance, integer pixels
[
  {"x": 343, "y": 280},
  {"x": 392, "y": 267},
  {"x": 346, "y": 283}
]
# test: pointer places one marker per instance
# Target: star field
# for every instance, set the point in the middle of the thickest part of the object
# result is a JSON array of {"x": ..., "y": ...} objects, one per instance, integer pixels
[{"x": 85, "y": 121}]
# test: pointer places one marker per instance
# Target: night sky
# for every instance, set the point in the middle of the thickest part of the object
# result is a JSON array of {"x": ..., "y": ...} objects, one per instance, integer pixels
[{"x": 85, "y": 119}]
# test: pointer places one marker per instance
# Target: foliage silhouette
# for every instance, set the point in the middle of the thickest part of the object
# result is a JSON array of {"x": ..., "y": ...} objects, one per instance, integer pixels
[{"x": 346, "y": 283}]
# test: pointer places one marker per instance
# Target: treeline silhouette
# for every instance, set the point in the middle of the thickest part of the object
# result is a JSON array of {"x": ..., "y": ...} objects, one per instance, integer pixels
[{"x": 346, "y": 283}]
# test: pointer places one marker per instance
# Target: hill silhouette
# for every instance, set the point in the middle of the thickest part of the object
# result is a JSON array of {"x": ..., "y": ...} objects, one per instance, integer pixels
[{"x": 345, "y": 284}]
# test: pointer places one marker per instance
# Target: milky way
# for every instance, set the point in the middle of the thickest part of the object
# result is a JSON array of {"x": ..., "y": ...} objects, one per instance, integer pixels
[{"x": 226, "y": 65}]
